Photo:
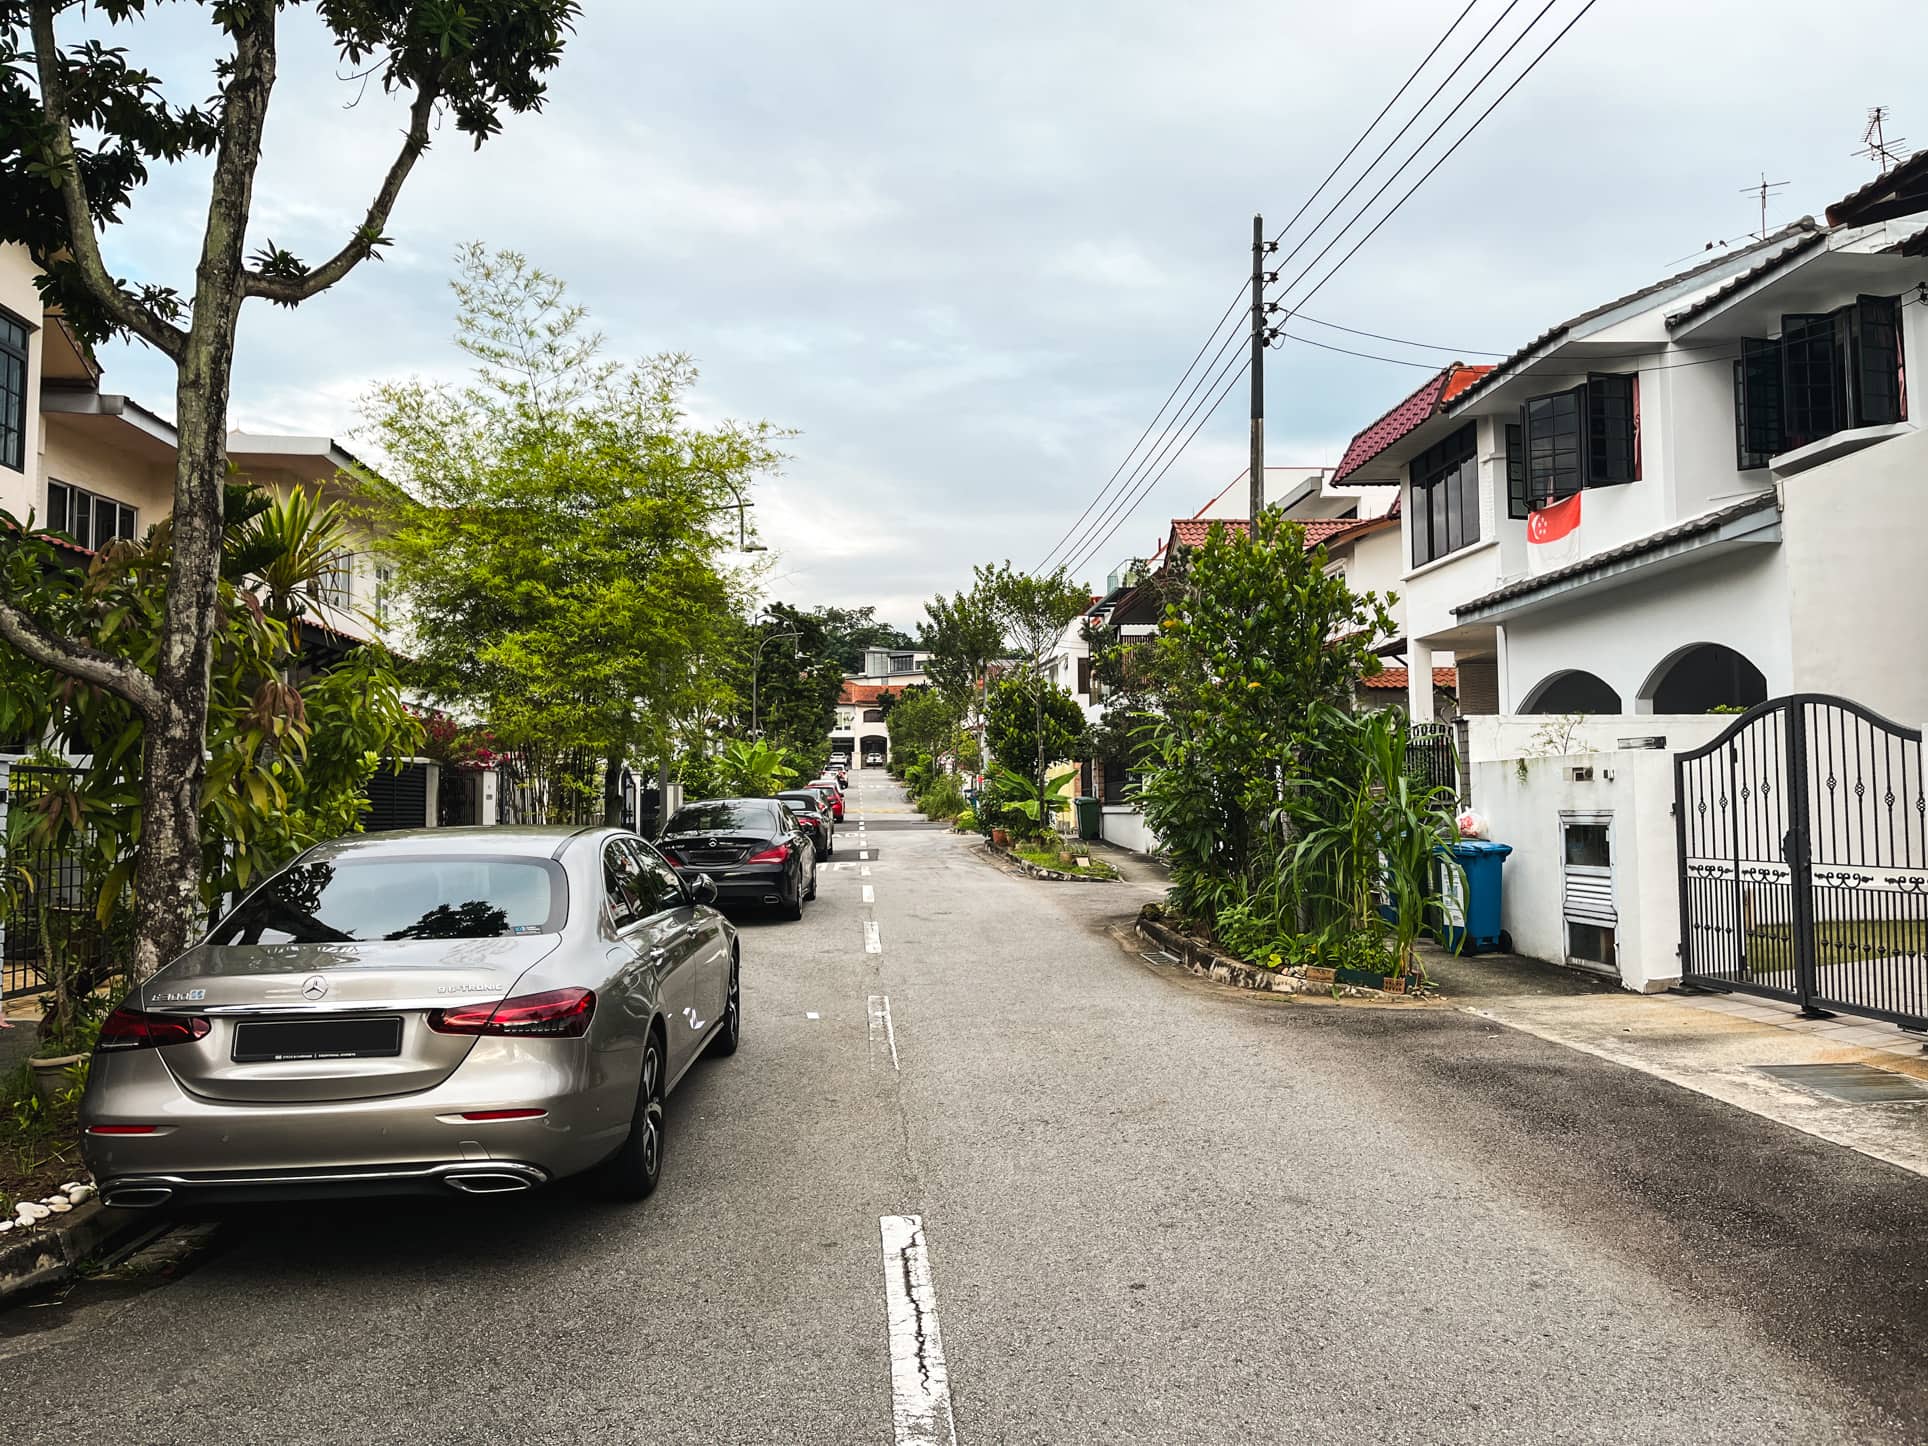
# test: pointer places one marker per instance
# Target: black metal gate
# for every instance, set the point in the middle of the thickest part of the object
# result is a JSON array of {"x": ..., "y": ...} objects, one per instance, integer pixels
[{"x": 1803, "y": 838}]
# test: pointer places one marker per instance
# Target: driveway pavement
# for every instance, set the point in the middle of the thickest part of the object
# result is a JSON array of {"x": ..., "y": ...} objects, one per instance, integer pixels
[{"x": 978, "y": 1169}]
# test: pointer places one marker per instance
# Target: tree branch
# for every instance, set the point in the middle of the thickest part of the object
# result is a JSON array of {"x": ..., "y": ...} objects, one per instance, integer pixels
[
  {"x": 84, "y": 246},
  {"x": 49, "y": 649},
  {"x": 292, "y": 290}
]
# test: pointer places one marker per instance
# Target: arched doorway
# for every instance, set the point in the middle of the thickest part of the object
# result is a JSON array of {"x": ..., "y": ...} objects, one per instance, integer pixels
[
  {"x": 1705, "y": 677},
  {"x": 1573, "y": 691}
]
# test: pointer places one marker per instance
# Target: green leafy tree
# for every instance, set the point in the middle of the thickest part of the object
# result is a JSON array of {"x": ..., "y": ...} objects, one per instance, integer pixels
[
  {"x": 797, "y": 682},
  {"x": 924, "y": 721},
  {"x": 1034, "y": 612},
  {"x": 80, "y": 127},
  {"x": 1257, "y": 646},
  {"x": 755, "y": 769},
  {"x": 291, "y": 749},
  {"x": 853, "y": 630},
  {"x": 964, "y": 636},
  {"x": 555, "y": 525},
  {"x": 1012, "y": 725}
]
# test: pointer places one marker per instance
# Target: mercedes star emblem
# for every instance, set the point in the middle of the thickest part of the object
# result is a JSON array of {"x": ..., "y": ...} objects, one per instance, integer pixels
[{"x": 314, "y": 987}]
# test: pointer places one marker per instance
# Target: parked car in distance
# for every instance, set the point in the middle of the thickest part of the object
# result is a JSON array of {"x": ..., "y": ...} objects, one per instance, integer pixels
[
  {"x": 429, "y": 1012},
  {"x": 753, "y": 850},
  {"x": 833, "y": 794},
  {"x": 873, "y": 760},
  {"x": 814, "y": 814}
]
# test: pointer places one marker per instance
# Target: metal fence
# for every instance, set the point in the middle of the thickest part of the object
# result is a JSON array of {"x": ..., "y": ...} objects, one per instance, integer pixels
[
  {"x": 51, "y": 898},
  {"x": 1430, "y": 755}
]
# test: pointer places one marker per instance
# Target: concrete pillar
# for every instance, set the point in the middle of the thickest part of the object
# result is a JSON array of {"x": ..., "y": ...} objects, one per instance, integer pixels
[{"x": 1419, "y": 682}]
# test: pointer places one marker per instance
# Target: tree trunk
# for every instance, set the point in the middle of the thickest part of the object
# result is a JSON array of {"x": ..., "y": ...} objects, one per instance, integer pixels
[
  {"x": 613, "y": 788},
  {"x": 167, "y": 875}
]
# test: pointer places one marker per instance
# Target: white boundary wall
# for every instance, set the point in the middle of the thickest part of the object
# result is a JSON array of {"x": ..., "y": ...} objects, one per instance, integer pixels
[{"x": 1524, "y": 782}]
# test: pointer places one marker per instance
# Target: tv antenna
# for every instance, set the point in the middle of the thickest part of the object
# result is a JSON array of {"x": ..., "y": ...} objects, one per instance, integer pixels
[
  {"x": 1763, "y": 189},
  {"x": 1875, "y": 145}
]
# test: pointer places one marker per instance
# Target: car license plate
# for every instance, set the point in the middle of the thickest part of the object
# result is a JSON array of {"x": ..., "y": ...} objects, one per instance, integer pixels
[{"x": 318, "y": 1039}]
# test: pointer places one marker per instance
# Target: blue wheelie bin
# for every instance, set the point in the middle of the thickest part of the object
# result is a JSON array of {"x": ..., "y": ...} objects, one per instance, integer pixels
[{"x": 1481, "y": 860}]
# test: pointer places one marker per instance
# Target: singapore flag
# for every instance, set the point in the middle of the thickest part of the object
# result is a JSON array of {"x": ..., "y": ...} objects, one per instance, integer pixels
[{"x": 1553, "y": 535}]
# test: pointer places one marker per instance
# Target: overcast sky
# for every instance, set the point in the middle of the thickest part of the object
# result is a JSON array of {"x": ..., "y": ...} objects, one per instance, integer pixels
[{"x": 964, "y": 251}]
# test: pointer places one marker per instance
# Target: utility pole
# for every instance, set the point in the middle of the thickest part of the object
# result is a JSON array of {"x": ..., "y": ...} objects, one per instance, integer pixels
[{"x": 1257, "y": 463}]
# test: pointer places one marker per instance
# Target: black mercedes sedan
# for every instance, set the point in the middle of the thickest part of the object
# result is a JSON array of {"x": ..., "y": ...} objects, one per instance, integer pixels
[
  {"x": 755, "y": 850},
  {"x": 814, "y": 814}
]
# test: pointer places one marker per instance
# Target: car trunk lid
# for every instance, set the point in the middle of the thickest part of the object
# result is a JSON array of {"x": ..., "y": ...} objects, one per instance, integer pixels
[{"x": 294, "y": 1022}]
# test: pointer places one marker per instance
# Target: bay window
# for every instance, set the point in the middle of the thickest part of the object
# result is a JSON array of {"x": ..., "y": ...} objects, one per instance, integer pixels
[{"x": 1827, "y": 372}]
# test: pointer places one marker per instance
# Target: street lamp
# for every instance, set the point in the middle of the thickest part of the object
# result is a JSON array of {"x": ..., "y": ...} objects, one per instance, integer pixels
[
  {"x": 755, "y": 667},
  {"x": 742, "y": 506}
]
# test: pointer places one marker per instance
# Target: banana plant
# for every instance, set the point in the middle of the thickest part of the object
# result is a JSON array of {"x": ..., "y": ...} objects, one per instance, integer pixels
[
  {"x": 755, "y": 770},
  {"x": 1015, "y": 790}
]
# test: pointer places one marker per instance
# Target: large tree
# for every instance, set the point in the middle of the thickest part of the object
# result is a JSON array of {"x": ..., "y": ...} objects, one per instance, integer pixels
[
  {"x": 1035, "y": 611},
  {"x": 558, "y": 526},
  {"x": 79, "y": 128},
  {"x": 852, "y": 630}
]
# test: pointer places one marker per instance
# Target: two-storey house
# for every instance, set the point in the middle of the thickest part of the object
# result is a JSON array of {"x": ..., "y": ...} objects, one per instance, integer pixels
[{"x": 1739, "y": 439}]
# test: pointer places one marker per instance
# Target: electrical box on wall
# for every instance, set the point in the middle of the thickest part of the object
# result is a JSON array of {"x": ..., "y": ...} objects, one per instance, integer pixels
[{"x": 1581, "y": 773}]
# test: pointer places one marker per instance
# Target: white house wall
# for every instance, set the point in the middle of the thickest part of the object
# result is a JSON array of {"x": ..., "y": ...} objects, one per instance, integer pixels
[
  {"x": 1857, "y": 536},
  {"x": 19, "y": 494},
  {"x": 1625, "y": 634}
]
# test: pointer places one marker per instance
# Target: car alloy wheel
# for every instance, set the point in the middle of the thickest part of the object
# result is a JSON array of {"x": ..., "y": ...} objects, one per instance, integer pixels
[
  {"x": 725, "y": 1042},
  {"x": 633, "y": 1171}
]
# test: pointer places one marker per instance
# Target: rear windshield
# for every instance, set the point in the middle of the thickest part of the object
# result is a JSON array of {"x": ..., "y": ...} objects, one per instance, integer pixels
[
  {"x": 722, "y": 815},
  {"x": 355, "y": 901},
  {"x": 811, "y": 801}
]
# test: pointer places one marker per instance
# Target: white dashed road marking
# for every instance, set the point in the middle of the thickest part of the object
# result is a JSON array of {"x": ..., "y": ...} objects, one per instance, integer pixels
[
  {"x": 920, "y": 1387},
  {"x": 870, "y": 894},
  {"x": 873, "y": 942},
  {"x": 883, "y": 1034},
  {"x": 864, "y": 872},
  {"x": 862, "y": 857}
]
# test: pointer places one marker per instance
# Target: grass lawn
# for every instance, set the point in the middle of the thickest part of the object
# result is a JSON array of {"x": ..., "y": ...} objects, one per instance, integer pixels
[
  {"x": 1046, "y": 857},
  {"x": 1837, "y": 941}
]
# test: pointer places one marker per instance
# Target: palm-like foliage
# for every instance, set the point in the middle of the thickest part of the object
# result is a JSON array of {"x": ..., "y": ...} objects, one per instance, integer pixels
[
  {"x": 755, "y": 770},
  {"x": 293, "y": 542}
]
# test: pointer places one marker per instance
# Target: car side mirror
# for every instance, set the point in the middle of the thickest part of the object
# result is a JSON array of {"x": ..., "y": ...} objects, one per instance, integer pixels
[{"x": 703, "y": 889}]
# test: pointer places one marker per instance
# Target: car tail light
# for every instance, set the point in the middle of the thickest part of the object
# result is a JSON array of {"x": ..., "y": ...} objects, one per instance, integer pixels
[
  {"x": 130, "y": 1029},
  {"x": 504, "y": 1114},
  {"x": 122, "y": 1129},
  {"x": 777, "y": 855},
  {"x": 672, "y": 856},
  {"x": 555, "y": 1013}
]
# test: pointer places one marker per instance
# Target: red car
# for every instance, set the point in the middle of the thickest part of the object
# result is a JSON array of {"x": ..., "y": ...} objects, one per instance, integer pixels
[{"x": 833, "y": 795}]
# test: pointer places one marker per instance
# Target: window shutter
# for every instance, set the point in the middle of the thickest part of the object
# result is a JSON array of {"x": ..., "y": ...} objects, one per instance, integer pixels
[
  {"x": 1084, "y": 676},
  {"x": 1875, "y": 342},
  {"x": 1555, "y": 446},
  {"x": 1757, "y": 404},
  {"x": 1610, "y": 430},
  {"x": 1516, "y": 469},
  {"x": 1810, "y": 380}
]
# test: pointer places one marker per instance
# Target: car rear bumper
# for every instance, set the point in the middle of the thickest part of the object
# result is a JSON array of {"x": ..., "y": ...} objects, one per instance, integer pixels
[
  {"x": 467, "y": 1177},
  {"x": 753, "y": 884},
  {"x": 197, "y": 1147}
]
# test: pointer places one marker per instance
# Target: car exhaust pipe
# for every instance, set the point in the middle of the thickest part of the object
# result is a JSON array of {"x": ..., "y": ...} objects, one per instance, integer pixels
[
  {"x": 489, "y": 1182},
  {"x": 773, "y": 898},
  {"x": 136, "y": 1197}
]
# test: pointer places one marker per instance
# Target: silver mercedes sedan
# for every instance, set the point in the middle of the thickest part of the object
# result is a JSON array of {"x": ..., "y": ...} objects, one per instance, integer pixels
[{"x": 476, "y": 1010}]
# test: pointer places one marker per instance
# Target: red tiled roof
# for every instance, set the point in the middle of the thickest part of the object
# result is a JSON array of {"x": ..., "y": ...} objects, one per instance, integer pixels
[
  {"x": 1433, "y": 394},
  {"x": 1899, "y": 191},
  {"x": 1192, "y": 531},
  {"x": 864, "y": 694},
  {"x": 1395, "y": 678}
]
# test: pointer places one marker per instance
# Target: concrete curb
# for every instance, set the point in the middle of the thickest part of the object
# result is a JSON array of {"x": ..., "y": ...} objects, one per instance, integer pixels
[
  {"x": 1005, "y": 858},
  {"x": 31, "y": 1260},
  {"x": 1206, "y": 962}
]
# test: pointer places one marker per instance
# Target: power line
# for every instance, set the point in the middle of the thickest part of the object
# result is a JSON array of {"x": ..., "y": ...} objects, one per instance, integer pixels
[
  {"x": 1420, "y": 149},
  {"x": 1164, "y": 451},
  {"x": 1398, "y": 135},
  {"x": 1416, "y": 71},
  {"x": 1397, "y": 340},
  {"x": 1125, "y": 517},
  {"x": 1237, "y": 296}
]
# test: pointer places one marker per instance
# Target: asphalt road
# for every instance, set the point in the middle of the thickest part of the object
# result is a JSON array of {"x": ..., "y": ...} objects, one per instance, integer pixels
[{"x": 1154, "y": 1211}]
